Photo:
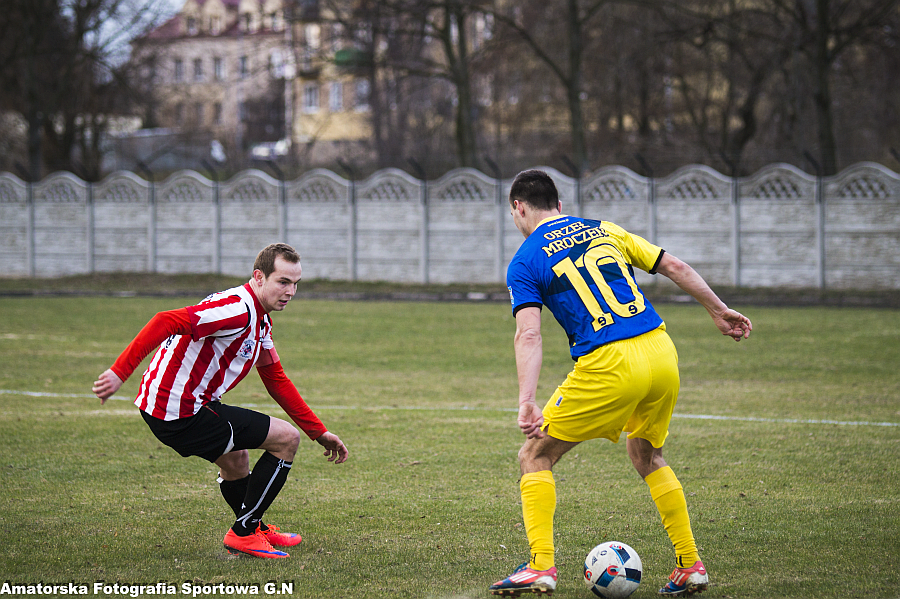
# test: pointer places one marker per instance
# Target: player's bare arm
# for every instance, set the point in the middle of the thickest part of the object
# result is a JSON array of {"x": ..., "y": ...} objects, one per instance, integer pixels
[
  {"x": 529, "y": 357},
  {"x": 106, "y": 385},
  {"x": 730, "y": 322},
  {"x": 335, "y": 450}
]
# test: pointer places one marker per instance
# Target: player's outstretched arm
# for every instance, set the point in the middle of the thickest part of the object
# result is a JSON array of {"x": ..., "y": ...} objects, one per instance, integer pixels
[
  {"x": 161, "y": 326},
  {"x": 730, "y": 322},
  {"x": 335, "y": 450}
]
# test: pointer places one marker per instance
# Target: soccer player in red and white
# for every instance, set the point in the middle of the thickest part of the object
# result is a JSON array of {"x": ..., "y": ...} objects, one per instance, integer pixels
[{"x": 203, "y": 352}]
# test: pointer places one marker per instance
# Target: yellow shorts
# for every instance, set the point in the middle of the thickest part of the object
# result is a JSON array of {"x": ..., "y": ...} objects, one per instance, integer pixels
[{"x": 629, "y": 385}]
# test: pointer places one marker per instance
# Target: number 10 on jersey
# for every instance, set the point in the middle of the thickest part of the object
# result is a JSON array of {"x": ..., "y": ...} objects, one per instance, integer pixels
[{"x": 595, "y": 260}]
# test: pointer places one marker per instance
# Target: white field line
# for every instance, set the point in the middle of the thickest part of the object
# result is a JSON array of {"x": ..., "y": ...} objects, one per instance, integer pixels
[{"x": 471, "y": 409}]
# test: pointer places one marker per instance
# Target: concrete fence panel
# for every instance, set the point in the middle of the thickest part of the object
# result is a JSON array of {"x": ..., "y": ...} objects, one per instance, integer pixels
[
  {"x": 61, "y": 230},
  {"x": 251, "y": 216},
  {"x": 319, "y": 224},
  {"x": 184, "y": 220},
  {"x": 462, "y": 224},
  {"x": 16, "y": 226},
  {"x": 694, "y": 220},
  {"x": 391, "y": 236},
  {"x": 779, "y": 227},
  {"x": 862, "y": 221}
]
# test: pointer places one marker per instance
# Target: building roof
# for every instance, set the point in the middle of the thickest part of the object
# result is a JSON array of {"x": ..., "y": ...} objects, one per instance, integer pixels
[
  {"x": 169, "y": 29},
  {"x": 174, "y": 28},
  {"x": 229, "y": 3}
]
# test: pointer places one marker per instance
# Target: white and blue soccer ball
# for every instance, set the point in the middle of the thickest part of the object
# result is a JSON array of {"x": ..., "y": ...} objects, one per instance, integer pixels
[{"x": 612, "y": 570}]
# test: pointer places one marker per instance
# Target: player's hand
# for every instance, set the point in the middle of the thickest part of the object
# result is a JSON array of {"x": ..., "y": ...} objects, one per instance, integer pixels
[
  {"x": 106, "y": 385},
  {"x": 335, "y": 450},
  {"x": 531, "y": 419},
  {"x": 734, "y": 324}
]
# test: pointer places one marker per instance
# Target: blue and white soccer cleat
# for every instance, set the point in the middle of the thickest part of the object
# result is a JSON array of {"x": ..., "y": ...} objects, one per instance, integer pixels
[
  {"x": 526, "y": 580},
  {"x": 686, "y": 581}
]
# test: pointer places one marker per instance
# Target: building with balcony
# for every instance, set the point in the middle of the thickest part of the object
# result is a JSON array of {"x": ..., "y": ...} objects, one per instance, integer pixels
[{"x": 254, "y": 74}]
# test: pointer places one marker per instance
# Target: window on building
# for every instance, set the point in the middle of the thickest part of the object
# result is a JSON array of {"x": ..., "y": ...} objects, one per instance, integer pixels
[
  {"x": 247, "y": 22},
  {"x": 336, "y": 40},
  {"x": 311, "y": 34},
  {"x": 215, "y": 25},
  {"x": 192, "y": 26},
  {"x": 310, "y": 98},
  {"x": 244, "y": 67},
  {"x": 305, "y": 60},
  {"x": 454, "y": 30},
  {"x": 309, "y": 10},
  {"x": 148, "y": 72},
  {"x": 392, "y": 93},
  {"x": 484, "y": 89},
  {"x": 276, "y": 64},
  {"x": 198, "y": 114},
  {"x": 179, "y": 70},
  {"x": 217, "y": 113},
  {"x": 198, "y": 69},
  {"x": 336, "y": 96},
  {"x": 275, "y": 22},
  {"x": 365, "y": 32},
  {"x": 515, "y": 90},
  {"x": 484, "y": 29},
  {"x": 179, "y": 114},
  {"x": 218, "y": 68},
  {"x": 361, "y": 102}
]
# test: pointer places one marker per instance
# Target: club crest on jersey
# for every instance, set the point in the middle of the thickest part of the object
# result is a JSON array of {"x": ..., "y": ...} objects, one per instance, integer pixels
[{"x": 246, "y": 351}]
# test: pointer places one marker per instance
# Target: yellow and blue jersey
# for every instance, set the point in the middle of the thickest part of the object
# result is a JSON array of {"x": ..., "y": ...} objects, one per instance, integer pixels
[{"x": 583, "y": 271}]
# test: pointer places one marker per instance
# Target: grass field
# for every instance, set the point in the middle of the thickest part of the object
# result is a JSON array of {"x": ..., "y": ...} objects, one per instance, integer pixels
[{"x": 793, "y": 487}]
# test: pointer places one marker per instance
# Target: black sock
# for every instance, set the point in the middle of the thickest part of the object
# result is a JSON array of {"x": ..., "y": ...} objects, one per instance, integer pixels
[
  {"x": 265, "y": 482},
  {"x": 234, "y": 492}
]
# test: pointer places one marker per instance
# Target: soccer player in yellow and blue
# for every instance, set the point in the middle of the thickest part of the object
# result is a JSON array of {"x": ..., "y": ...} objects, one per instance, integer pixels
[{"x": 626, "y": 368}]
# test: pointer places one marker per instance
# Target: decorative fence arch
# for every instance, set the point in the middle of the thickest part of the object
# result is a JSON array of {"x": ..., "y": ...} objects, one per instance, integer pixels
[{"x": 779, "y": 227}]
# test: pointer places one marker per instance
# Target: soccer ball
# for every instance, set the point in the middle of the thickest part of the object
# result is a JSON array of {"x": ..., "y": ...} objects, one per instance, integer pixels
[{"x": 612, "y": 570}]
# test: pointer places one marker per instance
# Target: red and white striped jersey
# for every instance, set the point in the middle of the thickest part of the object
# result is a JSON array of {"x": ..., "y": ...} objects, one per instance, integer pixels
[{"x": 229, "y": 329}]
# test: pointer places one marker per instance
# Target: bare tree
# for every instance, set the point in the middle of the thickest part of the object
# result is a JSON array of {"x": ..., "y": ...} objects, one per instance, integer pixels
[
  {"x": 720, "y": 60},
  {"x": 827, "y": 29},
  {"x": 62, "y": 67},
  {"x": 556, "y": 36},
  {"x": 430, "y": 41},
  {"x": 31, "y": 48},
  {"x": 742, "y": 47}
]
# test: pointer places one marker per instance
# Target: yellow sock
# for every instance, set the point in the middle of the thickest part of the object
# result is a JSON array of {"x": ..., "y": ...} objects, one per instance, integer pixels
[
  {"x": 538, "y": 506},
  {"x": 668, "y": 495}
]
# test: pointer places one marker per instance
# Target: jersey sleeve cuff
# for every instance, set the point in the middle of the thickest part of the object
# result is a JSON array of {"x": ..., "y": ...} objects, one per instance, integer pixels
[
  {"x": 652, "y": 271},
  {"x": 537, "y": 305}
]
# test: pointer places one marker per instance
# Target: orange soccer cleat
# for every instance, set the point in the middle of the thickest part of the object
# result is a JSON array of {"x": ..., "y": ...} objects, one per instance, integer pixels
[
  {"x": 256, "y": 545},
  {"x": 280, "y": 539}
]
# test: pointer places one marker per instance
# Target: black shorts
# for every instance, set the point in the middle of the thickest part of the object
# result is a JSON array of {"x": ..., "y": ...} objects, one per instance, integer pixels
[{"x": 212, "y": 432}]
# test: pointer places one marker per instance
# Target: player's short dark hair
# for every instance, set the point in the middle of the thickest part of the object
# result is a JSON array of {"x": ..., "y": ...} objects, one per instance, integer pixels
[
  {"x": 535, "y": 188},
  {"x": 265, "y": 260}
]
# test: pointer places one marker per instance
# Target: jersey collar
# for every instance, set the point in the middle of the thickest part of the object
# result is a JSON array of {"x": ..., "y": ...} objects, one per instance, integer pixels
[
  {"x": 550, "y": 219},
  {"x": 259, "y": 308}
]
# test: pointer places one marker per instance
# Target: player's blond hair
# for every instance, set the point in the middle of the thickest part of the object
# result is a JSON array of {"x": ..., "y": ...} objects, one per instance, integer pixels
[{"x": 265, "y": 260}]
